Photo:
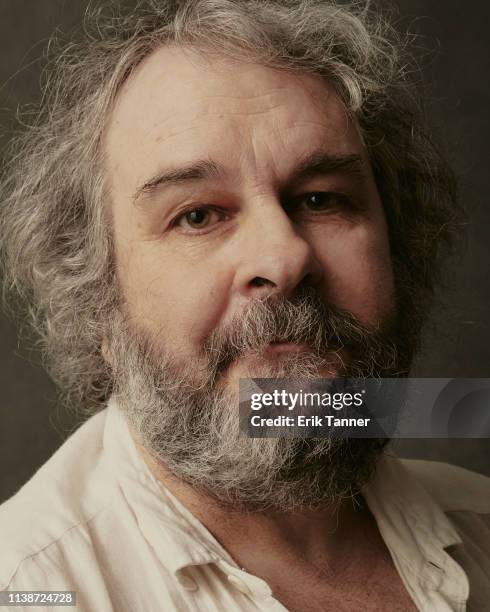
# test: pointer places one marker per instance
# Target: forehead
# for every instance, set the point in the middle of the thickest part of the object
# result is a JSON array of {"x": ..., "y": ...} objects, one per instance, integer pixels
[{"x": 179, "y": 105}]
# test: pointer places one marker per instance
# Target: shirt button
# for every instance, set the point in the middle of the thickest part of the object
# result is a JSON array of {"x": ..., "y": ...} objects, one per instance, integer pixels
[
  {"x": 239, "y": 584},
  {"x": 188, "y": 583}
]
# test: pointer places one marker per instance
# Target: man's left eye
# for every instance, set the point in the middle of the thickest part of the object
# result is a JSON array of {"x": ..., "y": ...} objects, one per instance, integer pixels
[{"x": 322, "y": 201}]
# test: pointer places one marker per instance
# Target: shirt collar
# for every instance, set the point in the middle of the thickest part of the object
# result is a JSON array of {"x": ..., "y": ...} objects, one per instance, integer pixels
[
  {"x": 414, "y": 528},
  {"x": 163, "y": 520},
  {"x": 416, "y": 531}
]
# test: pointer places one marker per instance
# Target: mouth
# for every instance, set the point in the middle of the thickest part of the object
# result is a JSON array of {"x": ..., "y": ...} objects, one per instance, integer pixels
[
  {"x": 286, "y": 347},
  {"x": 257, "y": 364}
]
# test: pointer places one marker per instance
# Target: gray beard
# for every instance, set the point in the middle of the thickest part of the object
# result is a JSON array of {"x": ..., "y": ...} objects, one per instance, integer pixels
[{"x": 187, "y": 418}]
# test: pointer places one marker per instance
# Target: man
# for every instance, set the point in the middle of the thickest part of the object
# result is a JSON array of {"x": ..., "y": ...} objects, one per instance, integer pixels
[{"x": 218, "y": 190}]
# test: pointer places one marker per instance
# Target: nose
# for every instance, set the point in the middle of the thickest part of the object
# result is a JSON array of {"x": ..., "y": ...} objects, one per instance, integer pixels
[{"x": 275, "y": 257}]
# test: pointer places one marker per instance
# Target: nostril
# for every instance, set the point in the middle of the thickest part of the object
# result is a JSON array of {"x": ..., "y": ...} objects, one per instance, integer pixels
[{"x": 258, "y": 281}]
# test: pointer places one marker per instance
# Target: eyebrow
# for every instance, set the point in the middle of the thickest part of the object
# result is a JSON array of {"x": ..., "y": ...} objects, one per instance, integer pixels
[
  {"x": 322, "y": 163},
  {"x": 199, "y": 170},
  {"x": 314, "y": 164}
]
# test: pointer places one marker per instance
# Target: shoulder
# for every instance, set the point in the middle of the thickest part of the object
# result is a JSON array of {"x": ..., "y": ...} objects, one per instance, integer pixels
[
  {"x": 64, "y": 495},
  {"x": 454, "y": 488}
]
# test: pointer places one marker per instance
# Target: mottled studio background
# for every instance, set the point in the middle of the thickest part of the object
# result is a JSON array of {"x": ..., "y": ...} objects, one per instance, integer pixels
[{"x": 453, "y": 44}]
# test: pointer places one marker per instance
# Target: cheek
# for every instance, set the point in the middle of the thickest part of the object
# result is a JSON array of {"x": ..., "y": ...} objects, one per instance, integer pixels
[
  {"x": 179, "y": 298},
  {"x": 357, "y": 272}
]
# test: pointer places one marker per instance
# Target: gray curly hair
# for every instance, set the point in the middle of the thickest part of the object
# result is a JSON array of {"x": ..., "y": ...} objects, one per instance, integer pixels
[{"x": 56, "y": 245}]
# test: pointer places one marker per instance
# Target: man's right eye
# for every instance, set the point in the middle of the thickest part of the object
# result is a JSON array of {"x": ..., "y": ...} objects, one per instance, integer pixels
[{"x": 198, "y": 218}]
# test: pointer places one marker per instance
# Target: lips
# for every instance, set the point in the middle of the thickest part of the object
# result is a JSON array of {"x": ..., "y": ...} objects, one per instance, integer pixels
[{"x": 283, "y": 347}]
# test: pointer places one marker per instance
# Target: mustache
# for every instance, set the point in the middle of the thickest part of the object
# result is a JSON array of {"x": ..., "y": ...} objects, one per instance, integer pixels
[{"x": 303, "y": 319}]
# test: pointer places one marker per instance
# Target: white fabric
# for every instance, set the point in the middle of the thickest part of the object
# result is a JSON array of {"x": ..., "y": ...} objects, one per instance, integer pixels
[{"x": 94, "y": 520}]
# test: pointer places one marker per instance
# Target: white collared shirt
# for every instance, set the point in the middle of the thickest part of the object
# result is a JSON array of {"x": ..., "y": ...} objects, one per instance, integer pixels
[{"x": 95, "y": 521}]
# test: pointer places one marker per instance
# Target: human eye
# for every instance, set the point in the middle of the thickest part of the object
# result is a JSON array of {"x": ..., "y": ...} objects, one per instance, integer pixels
[
  {"x": 323, "y": 202},
  {"x": 197, "y": 219}
]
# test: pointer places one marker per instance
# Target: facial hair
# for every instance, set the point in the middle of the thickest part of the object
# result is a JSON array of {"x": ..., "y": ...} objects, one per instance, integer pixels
[{"x": 186, "y": 415}]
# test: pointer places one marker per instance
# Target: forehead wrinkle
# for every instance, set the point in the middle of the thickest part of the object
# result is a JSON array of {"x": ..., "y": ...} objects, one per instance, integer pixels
[
  {"x": 195, "y": 122},
  {"x": 307, "y": 107}
]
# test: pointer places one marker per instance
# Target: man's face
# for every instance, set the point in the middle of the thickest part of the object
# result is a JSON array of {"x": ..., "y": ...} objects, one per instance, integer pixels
[
  {"x": 250, "y": 241},
  {"x": 234, "y": 181}
]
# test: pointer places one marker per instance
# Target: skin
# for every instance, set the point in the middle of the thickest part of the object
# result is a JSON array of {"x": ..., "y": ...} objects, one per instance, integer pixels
[
  {"x": 257, "y": 123},
  {"x": 180, "y": 281}
]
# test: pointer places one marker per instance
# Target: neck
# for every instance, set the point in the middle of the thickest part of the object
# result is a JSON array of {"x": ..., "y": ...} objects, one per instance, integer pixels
[{"x": 324, "y": 537}]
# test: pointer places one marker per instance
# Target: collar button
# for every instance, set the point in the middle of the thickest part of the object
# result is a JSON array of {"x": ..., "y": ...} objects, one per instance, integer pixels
[{"x": 239, "y": 584}]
